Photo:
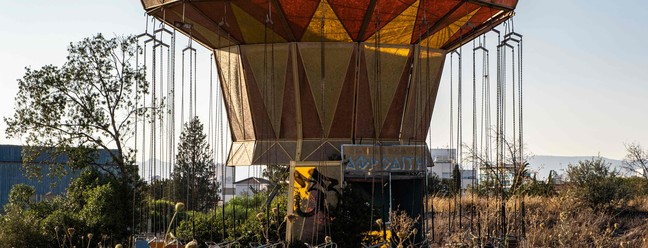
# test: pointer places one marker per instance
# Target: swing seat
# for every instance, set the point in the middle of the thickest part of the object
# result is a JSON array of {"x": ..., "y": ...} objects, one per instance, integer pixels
[{"x": 141, "y": 242}]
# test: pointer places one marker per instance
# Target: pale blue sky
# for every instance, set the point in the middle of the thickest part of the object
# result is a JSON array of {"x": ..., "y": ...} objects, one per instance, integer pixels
[{"x": 585, "y": 65}]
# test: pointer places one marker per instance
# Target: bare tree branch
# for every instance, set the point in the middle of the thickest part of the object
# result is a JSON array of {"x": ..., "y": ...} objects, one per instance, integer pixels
[{"x": 636, "y": 159}]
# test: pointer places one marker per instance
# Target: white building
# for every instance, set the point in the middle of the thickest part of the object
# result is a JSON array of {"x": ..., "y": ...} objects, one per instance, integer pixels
[
  {"x": 444, "y": 161},
  {"x": 250, "y": 185},
  {"x": 227, "y": 181}
]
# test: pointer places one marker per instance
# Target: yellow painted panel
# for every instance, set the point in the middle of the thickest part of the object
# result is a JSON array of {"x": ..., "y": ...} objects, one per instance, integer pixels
[
  {"x": 442, "y": 36},
  {"x": 254, "y": 31},
  {"x": 399, "y": 30},
  {"x": 300, "y": 191},
  {"x": 337, "y": 57},
  {"x": 391, "y": 60},
  {"x": 333, "y": 29},
  {"x": 269, "y": 64}
]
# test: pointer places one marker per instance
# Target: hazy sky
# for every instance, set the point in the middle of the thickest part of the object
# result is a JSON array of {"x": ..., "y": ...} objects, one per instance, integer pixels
[{"x": 585, "y": 65}]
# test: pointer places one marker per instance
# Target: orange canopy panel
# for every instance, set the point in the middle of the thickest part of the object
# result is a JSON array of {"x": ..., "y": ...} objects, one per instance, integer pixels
[
  {"x": 337, "y": 72},
  {"x": 443, "y": 24}
]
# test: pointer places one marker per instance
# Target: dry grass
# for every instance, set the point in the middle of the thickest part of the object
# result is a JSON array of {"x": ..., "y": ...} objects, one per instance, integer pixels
[{"x": 548, "y": 222}]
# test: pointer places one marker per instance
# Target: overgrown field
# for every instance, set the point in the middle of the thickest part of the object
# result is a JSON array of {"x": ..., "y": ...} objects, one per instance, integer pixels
[{"x": 554, "y": 221}]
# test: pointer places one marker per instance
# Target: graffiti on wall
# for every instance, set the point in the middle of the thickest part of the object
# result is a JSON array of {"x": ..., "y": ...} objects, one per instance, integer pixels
[
  {"x": 316, "y": 192},
  {"x": 403, "y": 163},
  {"x": 377, "y": 159}
]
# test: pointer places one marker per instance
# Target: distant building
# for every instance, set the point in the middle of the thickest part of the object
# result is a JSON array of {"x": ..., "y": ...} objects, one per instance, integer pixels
[
  {"x": 12, "y": 172},
  {"x": 444, "y": 161},
  {"x": 225, "y": 175},
  {"x": 250, "y": 185},
  {"x": 506, "y": 173}
]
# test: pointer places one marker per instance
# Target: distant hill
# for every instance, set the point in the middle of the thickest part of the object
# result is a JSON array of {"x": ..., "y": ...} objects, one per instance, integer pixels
[
  {"x": 154, "y": 168},
  {"x": 544, "y": 163}
]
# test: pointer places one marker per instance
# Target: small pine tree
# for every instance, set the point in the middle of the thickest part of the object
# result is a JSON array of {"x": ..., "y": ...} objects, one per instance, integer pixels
[
  {"x": 194, "y": 172},
  {"x": 455, "y": 187}
]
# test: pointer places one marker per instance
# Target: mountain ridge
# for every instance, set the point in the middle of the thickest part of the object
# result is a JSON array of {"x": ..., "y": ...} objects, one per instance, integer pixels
[{"x": 542, "y": 164}]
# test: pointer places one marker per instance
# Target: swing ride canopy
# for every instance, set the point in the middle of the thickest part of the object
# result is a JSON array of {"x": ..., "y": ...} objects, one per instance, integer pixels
[{"x": 300, "y": 78}]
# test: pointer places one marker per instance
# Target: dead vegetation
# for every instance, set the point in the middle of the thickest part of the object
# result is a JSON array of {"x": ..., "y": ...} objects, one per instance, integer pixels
[{"x": 557, "y": 221}]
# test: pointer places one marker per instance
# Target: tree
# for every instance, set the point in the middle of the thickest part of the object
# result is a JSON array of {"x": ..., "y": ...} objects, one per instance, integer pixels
[
  {"x": 65, "y": 114},
  {"x": 89, "y": 102},
  {"x": 636, "y": 160},
  {"x": 277, "y": 175},
  {"x": 455, "y": 186},
  {"x": 498, "y": 170},
  {"x": 92, "y": 204},
  {"x": 20, "y": 196},
  {"x": 350, "y": 221},
  {"x": 193, "y": 174},
  {"x": 536, "y": 187},
  {"x": 596, "y": 185},
  {"x": 96, "y": 203},
  {"x": 19, "y": 224},
  {"x": 436, "y": 186}
]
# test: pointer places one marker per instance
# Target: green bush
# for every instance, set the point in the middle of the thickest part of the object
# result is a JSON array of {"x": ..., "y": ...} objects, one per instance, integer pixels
[
  {"x": 241, "y": 221},
  {"x": 539, "y": 188},
  {"x": 93, "y": 204},
  {"x": 351, "y": 219},
  {"x": 596, "y": 185},
  {"x": 638, "y": 186},
  {"x": 534, "y": 187}
]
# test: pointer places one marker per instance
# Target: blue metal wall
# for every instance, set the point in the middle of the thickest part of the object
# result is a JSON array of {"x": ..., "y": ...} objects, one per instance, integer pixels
[{"x": 11, "y": 173}]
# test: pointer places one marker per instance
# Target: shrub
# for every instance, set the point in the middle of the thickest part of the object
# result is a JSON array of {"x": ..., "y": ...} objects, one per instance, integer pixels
[
  {"x": 535, "y": 187},
  {"x": 638, "y": 186},
  {"x": 595, "y": 185},
  {"x": 352, "y": 219}
]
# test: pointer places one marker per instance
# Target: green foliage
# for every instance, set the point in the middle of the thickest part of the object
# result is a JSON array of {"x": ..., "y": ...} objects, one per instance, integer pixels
[
  {"x": 66, "y": 114},
  {"x": 436, "y": 186},
  {"x": 488, "y": 186},
  {"x": 93, "y": 204},
  {"x": 277, "y": 175},
  {"x": 101, "y": 204},
  {"x": 83, "y": 105},
  {"x": 455, "y": 185},
  {"x": 442, "y": 187},
  {"x": 445, "y": 187},
  {"x": 22, "y": 220},
  {"x": 160, "y": 213},
  {"x": 200, "y": 226},
  {"x": 595, "y": 185},
  {"x": 162, "y": 189},
  {"x": 540, "y": 188},
  {"x": 21, "y": 228},
  {"x": 637, "y": 186},
  {"x": 194, "y": 170},
  {"x": 240, "y": 221},
  {"x": 20, "y": 196},
  {"x": 351, "y": 219}
]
